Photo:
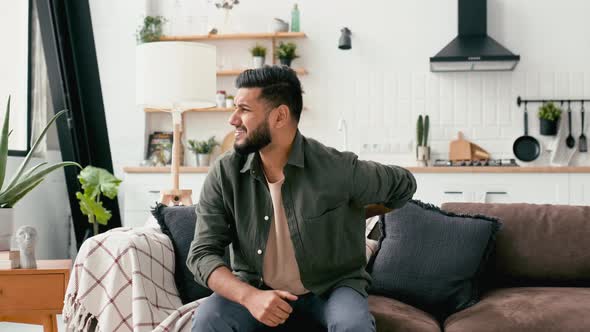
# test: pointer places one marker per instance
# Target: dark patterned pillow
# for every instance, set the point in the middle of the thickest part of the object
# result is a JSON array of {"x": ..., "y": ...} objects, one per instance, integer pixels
[
  {"x": 178, "y": 222},
  {"x": 432, "y": 259}
]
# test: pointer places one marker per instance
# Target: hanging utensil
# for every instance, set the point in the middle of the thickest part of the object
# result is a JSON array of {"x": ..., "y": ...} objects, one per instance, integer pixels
[
  {"x": 570, "y": 142},
  {"x": 583, "y": 146},
  {"x": 526, "y": 148}
]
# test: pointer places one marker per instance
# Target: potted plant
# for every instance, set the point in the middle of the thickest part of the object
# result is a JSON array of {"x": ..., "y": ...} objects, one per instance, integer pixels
[
  {"x": 422, "y": 148},
  {"x": 96, "y": 181},
  {"x": 151, "y": 30},
  {"x": 258, "y": 54},
  {"x": 22, "y": 181},
  {"x": 549, "y": 115},
  {"x": 286, "y": 53},
  {"x": 229, "y": 101},
  {"x": 202, "y": 150}
]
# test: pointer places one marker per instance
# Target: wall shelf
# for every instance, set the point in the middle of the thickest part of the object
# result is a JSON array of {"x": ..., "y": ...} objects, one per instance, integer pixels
[
  {"x": 236, "y": 36},
  {"x": 213, "y": 109}
]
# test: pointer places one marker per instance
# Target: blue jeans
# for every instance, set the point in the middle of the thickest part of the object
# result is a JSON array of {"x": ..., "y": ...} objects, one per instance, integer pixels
[{"x": 343, "y": 310}]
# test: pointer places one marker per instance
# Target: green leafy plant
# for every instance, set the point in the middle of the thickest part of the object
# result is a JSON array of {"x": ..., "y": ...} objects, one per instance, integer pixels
[
  {"x": 203, "y": 147},
  {"x": 229, "y": 97},
  {"x": 258, "y": 50},
  {"x": 151, "y": 30},
  {"x": 287, "y": 51},
  {"x": 422, "y": 128},
  {"x": 549, "y": 111},
  {"x": 23, "y": 181},
  {"x": 95, "y": 182}
]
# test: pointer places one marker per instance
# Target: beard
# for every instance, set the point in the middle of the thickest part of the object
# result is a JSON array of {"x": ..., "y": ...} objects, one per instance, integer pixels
[{"x": 258, "y": 139}]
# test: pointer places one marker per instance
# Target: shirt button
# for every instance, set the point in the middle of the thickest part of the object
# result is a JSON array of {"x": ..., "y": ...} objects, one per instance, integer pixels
[
  {"x": 265, "y": 217},
  {"x": 261, "y": 279},
  {"x": 259, "y": 252}
]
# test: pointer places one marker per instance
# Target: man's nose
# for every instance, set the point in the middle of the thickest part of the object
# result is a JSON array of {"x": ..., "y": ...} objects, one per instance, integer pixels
[{"x": 234, "y": 120}]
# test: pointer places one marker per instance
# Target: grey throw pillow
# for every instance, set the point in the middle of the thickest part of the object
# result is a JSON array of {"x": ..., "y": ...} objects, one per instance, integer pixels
[
  {"x": 178, "y": 222},
  {"x": 432, "y": 259}
]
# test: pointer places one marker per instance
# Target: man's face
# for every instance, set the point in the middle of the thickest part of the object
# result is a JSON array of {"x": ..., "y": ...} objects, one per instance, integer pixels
[{"x": 250, "y": 118}]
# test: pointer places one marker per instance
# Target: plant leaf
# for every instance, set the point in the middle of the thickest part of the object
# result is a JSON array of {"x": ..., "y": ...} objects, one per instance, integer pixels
[
  {"x": 90, "y": 207},
  {"x": 4, "y": 144},
  {"x": 97, "y": 180},
  {"x": 32, "y": 170},
  {"x": 25, "y": 162},
  {"x": 22, "y": 194},
  {"x": 9, "y": 193}
]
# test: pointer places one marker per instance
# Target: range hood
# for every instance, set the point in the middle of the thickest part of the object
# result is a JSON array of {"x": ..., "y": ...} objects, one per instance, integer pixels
[{"x": 473, "y": 49}]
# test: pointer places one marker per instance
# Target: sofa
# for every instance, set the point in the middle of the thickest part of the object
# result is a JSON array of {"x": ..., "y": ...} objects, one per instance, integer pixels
[{"x": 537, "y": 278}]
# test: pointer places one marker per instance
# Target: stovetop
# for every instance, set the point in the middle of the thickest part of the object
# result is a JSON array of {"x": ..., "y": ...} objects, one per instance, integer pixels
[{"x": 474, "y": 163}]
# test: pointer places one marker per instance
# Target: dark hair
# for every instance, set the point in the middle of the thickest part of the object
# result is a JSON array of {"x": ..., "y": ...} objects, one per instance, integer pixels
[{"x": 279, "y": 85}]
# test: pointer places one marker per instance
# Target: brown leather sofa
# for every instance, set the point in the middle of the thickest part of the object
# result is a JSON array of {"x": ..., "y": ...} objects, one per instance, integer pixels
[{"x": 538, "y": 278}]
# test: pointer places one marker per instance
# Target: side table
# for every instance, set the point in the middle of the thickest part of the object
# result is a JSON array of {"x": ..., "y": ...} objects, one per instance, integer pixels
[{"x": 34, "y": 296}]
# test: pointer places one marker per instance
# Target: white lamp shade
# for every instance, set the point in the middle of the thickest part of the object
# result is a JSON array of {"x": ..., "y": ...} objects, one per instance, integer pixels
[{"x": 175, "y": 74}]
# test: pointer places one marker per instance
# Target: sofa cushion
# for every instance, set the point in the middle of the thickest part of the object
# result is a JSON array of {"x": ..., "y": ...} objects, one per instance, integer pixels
[
  {"x": 393, "y": 315},
  {"x": 178, "y": 222},
  {"x": 431, "y": 259},
  {"x": 534, "y": 309},
  {"x": 538, "y": 245}
]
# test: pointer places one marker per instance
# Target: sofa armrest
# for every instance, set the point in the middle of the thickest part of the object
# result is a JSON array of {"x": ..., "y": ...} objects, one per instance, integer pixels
[{"x": 123, "y": 276}]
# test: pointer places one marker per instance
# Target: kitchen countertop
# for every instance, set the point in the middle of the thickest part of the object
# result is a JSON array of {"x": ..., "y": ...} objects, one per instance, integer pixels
[{"x": 413, "y": 169}]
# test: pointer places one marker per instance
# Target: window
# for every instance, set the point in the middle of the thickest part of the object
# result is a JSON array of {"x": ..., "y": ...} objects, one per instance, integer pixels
[{"x": 14, "y": 72}]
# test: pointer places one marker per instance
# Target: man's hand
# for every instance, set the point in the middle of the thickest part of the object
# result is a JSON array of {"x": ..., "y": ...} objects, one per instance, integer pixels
[{"x": 269, "y": 307}]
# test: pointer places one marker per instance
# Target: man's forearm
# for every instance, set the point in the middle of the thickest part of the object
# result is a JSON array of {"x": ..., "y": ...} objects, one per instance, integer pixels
[
  {"x": 375, "y": 210},
  {"x": 226, "y": 284}
]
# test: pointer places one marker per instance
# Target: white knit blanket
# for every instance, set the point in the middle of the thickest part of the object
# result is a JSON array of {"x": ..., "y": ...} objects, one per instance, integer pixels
[{"x": 123, "y": 280}]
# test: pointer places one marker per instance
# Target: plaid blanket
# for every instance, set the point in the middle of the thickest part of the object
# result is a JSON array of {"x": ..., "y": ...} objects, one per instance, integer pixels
[{"x": 123, "y": 280}]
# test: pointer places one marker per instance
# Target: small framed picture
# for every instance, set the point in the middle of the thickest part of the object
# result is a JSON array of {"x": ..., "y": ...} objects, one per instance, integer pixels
[{"x": 159, "y": 149}]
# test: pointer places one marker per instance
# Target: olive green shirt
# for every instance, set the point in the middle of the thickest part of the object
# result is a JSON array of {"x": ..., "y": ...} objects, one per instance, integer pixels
[{"x": 324, "y": 195}]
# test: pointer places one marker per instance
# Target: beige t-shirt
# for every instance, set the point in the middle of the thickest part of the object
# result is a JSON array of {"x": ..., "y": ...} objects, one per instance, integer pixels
[{"x": 280, "y": 269}]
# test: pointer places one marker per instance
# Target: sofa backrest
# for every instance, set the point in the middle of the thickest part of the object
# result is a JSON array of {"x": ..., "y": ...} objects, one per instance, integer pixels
[{"x": 538, "y": 245}]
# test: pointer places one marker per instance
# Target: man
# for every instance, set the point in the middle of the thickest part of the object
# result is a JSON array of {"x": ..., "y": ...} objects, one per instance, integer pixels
[{"x": 293, "y": 211}]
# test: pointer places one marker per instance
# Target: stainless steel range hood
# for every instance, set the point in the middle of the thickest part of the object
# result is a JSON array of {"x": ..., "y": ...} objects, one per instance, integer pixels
[{"x": 473, "y": 49}]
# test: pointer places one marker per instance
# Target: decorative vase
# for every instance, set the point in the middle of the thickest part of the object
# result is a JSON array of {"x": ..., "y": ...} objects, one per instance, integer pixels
[
  {"x": 423, "y": 153},
  {"x": 548, "y": 127},
  {"x": 258, "y": 61},
  {"x": 202, "y": 159},
  {"x": 285, "y": 61},
  {"x": 6, "y": 227}
]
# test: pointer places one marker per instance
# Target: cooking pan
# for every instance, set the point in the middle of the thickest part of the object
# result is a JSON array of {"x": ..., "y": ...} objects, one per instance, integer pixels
[{"x": 526, "y": 148}]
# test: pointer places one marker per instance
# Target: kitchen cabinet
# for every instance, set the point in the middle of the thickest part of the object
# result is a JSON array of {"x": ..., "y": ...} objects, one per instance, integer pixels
[
  {"x": 438, "y": 188},
  {"x": 579, "y": 189},
  {"x": 142, "y": 191}
]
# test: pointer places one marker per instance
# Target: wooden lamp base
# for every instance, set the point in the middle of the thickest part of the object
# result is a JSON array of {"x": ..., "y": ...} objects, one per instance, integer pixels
[{"x": 176, "y": 197}]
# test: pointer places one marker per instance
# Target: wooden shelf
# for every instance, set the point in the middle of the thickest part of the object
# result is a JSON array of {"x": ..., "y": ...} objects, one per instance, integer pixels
[
  {"x": 235, "y": 72},
  {"x": 500, "y": 169},
  {"x": 214, "y": 109},
  {"x": 164, "y": 169},
  {"x": 236, "y": 36}
]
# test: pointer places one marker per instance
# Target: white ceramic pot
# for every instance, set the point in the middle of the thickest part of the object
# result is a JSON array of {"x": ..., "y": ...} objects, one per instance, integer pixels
[
  {"x": 6, "y": 228},
  {"x": 257, "y": 61},
  {"x": 229, "y": 103},
  {"x": 423, "y": 153},
  {"x": 202, "y": 159}
]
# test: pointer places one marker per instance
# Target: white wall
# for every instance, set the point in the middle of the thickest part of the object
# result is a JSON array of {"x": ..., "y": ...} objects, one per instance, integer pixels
[{"x": 384, "y": 82}]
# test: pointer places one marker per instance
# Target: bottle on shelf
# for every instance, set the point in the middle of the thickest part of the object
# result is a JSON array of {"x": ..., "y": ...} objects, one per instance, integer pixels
[{"x": 295, "y": 19}]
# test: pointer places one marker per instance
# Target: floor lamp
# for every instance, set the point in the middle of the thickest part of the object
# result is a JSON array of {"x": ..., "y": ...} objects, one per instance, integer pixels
[{"x": 175, "y": 77}]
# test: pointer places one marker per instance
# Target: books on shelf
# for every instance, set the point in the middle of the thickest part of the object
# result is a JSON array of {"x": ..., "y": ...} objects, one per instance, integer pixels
[{"x": 9, "y": 259}]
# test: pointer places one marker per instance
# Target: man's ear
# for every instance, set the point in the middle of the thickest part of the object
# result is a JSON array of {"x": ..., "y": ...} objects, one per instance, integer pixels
[{"x": 283, "y": 116}]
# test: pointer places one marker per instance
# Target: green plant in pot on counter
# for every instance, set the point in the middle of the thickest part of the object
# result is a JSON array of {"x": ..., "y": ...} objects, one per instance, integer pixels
[
  {"x": 286, "y": 53},
  {"x": 151, "y": 30},
  {"x": 549, "y": 116},
  {"x": 95, "y": 182},
  {"x": 202, "y": 150},
  {"x": 422, "y": 148},
  {"x": 258, "y": 54},
  {"x": 22, "y": 181}
]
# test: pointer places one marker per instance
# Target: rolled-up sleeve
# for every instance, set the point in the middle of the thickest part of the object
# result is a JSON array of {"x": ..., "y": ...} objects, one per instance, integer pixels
[
  {"x": 375, "y": 183},
  {"x": 212, "y": 233}
]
